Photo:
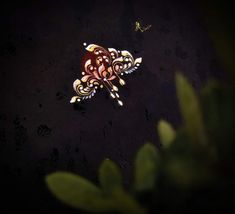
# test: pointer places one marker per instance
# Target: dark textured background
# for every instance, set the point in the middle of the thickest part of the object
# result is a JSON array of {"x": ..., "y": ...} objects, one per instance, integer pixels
[{"x": 40, "y": 57}]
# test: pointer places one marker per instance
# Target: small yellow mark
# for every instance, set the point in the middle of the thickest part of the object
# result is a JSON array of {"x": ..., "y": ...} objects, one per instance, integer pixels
[{"x": 140, "y": 28}]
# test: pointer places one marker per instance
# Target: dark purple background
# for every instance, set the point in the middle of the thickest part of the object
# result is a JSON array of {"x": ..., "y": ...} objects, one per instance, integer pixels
[{"x": 40, "y": 56}]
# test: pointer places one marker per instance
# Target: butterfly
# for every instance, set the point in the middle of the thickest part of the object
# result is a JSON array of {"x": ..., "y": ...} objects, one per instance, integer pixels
[{"x": 101, "y": 68}]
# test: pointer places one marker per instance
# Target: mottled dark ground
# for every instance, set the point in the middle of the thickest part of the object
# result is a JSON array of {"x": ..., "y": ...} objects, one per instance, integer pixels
[{"x": 40, "y": 56}]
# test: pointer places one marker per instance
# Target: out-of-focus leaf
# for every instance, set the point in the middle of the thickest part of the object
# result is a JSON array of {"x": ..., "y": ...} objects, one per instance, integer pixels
[
  {"x": 166, "y": 133},
  {"x": 218, "y": 102},
  {"x": 219, "y": 18},
  {"x": 146, "y": 163},
  {"x": 126, "y": 203},
  {"x": 110, "y": 176},
  {"x": 211, "y": 96},
  {"x": 78, "y": 192},
  {"x": 111, "y": 182},
  {"x": 190, "y": 109},
  {"x": 186, "y": 164},
  {"x": 186, "y": 172}
]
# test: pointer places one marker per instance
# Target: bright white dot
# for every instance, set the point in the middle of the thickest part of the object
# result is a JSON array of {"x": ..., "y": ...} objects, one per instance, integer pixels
[
  {"x": 120, "y": 102},
  {"x": 84, "y": 44},
  {"x": 112, "y": 95}
]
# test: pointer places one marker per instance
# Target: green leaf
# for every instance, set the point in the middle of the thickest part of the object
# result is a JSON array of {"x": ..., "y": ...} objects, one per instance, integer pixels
[
  {"x": 111, "y": 181},
  {"x": 187, "y": 172},
  {"x": 78, "y": 192},
  {"x": 110, "y": 176},
  {"x": 219, "y": 18},
  {"x": 218, "y": 102},
  {"x": 146, "y": 163},
  {"x": 166, "y": 133},
  {"x": 126, "y": 203},
  {"x": 190, "y": 109}
]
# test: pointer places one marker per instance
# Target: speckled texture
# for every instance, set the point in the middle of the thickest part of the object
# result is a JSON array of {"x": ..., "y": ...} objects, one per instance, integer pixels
[{"x": 40, "y": 57}]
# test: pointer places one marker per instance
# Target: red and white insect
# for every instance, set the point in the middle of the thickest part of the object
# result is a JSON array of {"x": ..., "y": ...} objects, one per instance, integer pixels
[{"x": 101, "y": 67}]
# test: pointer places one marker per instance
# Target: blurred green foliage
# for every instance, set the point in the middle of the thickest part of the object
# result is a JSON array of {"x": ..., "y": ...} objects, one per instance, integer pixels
[
  {"x": 219, "y": 19},
  {"x": 196, "y": 160},
  {"x": 194, "y": 171}
]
